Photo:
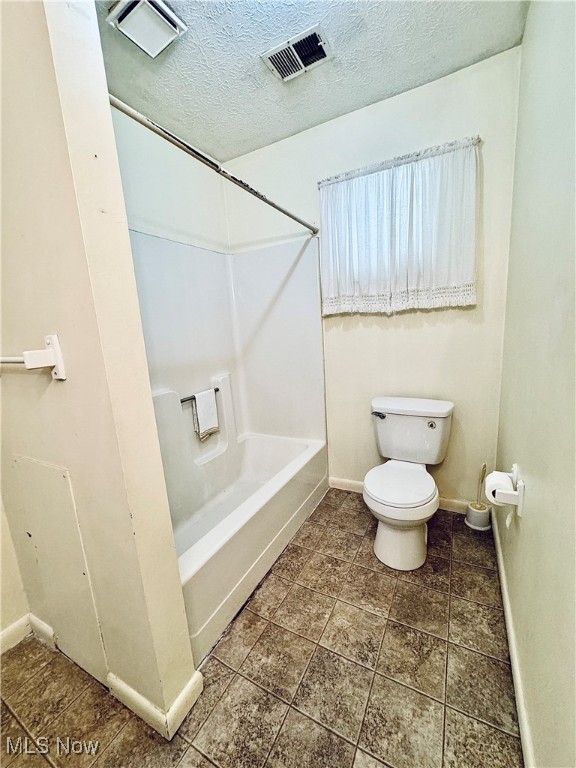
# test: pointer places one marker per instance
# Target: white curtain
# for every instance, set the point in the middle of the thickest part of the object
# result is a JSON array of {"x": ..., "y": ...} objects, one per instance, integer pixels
[{"x": 402, "y": 234}]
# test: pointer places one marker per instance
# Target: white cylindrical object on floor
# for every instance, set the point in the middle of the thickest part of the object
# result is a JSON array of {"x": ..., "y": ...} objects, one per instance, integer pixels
[
  {"x": 401, "y": 548},
  {"x": 478, "y": 517},
  {"x": 497, "y": 481}
]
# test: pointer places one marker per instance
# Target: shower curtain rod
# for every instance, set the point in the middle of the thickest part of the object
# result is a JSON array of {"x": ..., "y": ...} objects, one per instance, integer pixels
[{"x": 205, "y": 159}]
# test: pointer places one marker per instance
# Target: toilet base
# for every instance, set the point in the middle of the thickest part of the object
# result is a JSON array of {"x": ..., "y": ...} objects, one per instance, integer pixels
[{"x": 403, "y": 549}]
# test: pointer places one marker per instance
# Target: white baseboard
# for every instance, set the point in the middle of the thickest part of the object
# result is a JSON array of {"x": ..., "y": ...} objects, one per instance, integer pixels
[
  {"x": 346, "y": 485},
  {"x": 166, "y": 723},
  {"x": 43, "y": 631},
  {"x": 15, "y": 633},
  {"x": 27, "y": 625},
  {"x": 357, "y": 486},
  {"x": 454, "y": 505},
  {"x": 525, "y": 733}
]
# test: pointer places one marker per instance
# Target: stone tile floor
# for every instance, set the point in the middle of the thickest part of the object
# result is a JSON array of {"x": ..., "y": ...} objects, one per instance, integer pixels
[{"x": 336, "y": 661}]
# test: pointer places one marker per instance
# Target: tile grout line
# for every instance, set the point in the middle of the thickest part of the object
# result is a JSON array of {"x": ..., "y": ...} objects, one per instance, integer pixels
[
  {"x": 293, "y": 581},
  {"x": 215, "y": 703},
  {"x": 229, "y": 628},
  {"x": 378, "y": 659},
  {"x": 480, "y": 653},
  {"x": 188, "y": 748},
  {"x": 335, "y": 597},
  {"x": 108, "y": 746},
  {"x": 395, "y": 577},
  {"x": 410, "y": 687},
  {"x": 262, "y": 686},
  {"x": 290, "y": 544},
  {"x": 270, "y": 621},
  {"x": 375, "y": 669},
  {"x": 316, "y": 646},
  {"x": 66, "y": 708},
  {"x": 34, "y": 674},
  {"x": 289, "y": 707},
  {"x": 484, "y": 722},
  {"x": 475, "y": 565},
  {"x": 211, "y": 760},
  {"x": 108, "y": 692},
  {"x": 448, "y": 706},
  {"x": 207, "y": 759},
  {"x": 447, "y": 642},
  {"x": 275, "y": 739},
  {"x": 352, "y": 742},
  {"x": 27, "y": 731},
  {"x": 291, "y": 704},
  {"x": 476, "y": 602}
]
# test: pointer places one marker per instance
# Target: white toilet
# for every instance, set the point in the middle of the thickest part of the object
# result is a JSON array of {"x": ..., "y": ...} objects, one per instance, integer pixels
[{"x": 411, "y": 432}]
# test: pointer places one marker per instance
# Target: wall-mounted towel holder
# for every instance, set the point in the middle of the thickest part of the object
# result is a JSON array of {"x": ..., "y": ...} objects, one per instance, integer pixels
[
  {"x": 49, "y": 357},
  {"x": 193, "y": 397}
]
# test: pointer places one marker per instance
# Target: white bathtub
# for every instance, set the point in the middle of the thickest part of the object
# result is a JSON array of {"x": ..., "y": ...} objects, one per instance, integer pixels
[{"x": 228, "y": 544}]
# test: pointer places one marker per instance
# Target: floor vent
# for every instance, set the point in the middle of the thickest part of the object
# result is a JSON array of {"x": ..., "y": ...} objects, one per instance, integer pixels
[{"x": 298, "y": 55}]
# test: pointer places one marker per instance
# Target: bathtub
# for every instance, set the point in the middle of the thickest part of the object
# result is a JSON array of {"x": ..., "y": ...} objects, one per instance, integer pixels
[{"x": 229, "y": 543}]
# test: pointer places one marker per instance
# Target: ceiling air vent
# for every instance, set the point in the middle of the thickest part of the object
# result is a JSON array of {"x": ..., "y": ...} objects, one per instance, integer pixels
[
  {"x": 298, "y": 55},
  {"x": 150, "y": 24}
]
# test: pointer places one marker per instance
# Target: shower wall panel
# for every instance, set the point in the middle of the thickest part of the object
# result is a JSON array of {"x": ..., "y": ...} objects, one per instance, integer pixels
[
  {"x": 279, "y": 338},
  {"x": 186, "y": 312},
  {"x": 185, "y": 303}
]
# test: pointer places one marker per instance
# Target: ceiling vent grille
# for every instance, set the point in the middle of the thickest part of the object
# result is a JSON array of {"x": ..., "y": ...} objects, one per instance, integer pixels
[
  {"x": 150, "y": 24},
  {"x": 298, "y": 55}
]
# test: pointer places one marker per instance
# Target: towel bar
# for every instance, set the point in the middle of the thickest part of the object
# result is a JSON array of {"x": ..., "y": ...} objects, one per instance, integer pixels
[
  {"x": 49, "y": 357},
  {"x": 193, "y": 397}
]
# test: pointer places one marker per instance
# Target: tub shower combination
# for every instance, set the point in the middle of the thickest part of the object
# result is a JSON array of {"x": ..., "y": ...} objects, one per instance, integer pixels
[
  {"x": 247, "y": 494},
  {"x": 248, "y": 326},
  {"x": 218, "y": 315}
]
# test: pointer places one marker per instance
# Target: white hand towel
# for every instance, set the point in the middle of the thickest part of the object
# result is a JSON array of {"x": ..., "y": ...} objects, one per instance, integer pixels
[{"x": 205, "y": 413}]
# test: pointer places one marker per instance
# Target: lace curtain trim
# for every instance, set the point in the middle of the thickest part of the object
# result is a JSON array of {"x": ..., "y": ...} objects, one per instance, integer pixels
[{"x": 463, "y": 295}]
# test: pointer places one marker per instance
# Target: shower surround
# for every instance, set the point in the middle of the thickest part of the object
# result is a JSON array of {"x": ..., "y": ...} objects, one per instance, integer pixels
[
  {"x": 249, "y": 325},
  {"x": 243, "y": 318}
]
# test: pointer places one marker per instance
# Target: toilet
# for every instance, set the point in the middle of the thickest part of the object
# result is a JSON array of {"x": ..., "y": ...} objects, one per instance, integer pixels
[{"x": 401, "y": 494}]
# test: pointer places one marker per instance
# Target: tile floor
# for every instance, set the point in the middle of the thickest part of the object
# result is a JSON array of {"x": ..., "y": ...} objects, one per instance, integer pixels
[{"x": 336, "y": 661}]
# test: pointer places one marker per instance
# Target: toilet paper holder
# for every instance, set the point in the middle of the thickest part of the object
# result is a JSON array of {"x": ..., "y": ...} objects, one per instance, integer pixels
[{"x": 515, "y": 497}]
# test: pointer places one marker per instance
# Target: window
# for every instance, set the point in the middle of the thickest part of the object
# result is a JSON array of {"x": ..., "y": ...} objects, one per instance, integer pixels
[{"x": 401, "y": 234}]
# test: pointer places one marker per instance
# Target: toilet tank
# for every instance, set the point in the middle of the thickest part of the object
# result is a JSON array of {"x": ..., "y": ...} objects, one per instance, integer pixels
[{"x": 412, "y": 428}]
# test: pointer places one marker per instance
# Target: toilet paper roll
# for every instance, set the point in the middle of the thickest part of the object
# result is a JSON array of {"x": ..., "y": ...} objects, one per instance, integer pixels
[{"x": 497, "y": 481}]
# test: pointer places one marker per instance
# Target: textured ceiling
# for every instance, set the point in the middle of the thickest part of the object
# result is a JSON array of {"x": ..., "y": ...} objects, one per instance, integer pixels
[{"x": 211, "y": 88}]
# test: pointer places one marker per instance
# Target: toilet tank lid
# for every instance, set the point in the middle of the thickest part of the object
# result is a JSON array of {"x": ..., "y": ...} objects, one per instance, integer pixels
[{"x": 413, "y": 406}]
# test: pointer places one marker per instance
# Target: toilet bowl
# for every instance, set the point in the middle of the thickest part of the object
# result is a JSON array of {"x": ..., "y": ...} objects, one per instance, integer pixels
[{"x": 402, "y": 496}]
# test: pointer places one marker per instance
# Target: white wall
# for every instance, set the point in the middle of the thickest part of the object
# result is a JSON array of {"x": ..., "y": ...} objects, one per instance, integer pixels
[
  {"x": 82, "y": 472},
  {"x": 167, "y": 192},
  {"x": 538, "y": 394},
  {"x": 453, "y": 354},
  {"x": 13, "y": 600}
]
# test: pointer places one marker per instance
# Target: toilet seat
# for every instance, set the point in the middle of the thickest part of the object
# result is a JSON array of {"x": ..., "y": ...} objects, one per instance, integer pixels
[{"x": 401, "y": 485}]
